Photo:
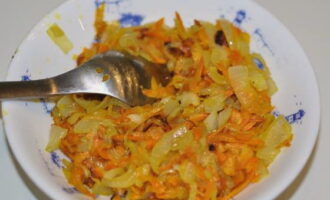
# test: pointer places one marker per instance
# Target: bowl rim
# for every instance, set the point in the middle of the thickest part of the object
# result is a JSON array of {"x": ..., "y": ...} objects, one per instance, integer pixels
[
  {"x": 316, "y": 126},
  {"x": 52, "y": 193},
  {"x": 37, "y": 180}
]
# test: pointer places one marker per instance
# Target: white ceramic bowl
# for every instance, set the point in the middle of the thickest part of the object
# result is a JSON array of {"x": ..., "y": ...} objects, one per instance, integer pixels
[{"x": 27, "y": 123}]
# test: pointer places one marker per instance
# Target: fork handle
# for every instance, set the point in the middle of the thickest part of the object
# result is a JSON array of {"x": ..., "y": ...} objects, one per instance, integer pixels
[{"x": 27, "y": 89}]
